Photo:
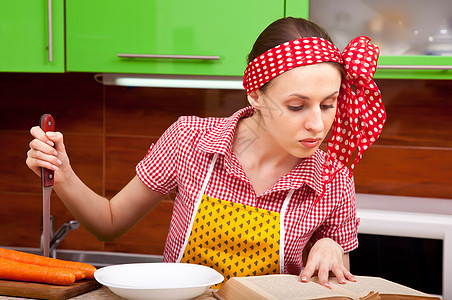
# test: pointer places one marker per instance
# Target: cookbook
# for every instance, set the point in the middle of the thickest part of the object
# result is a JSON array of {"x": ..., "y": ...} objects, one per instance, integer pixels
[{"x": 289, "y": 287}]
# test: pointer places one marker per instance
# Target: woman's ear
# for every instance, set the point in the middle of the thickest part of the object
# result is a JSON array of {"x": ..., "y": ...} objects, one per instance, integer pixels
[{"x": 253, "y": 99}]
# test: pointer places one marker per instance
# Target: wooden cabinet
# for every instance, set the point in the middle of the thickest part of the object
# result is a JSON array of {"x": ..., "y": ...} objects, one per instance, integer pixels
[
  {"x": 189, "y": 37},
  {"x": 415, "y": 37},
  {"x": 32, "y": 36}
]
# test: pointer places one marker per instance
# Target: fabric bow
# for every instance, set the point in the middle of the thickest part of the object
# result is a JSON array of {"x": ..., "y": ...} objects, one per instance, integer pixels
[{"x": 361, "y": 115}]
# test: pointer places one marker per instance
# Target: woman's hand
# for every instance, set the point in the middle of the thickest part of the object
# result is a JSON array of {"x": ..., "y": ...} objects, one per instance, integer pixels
[
  {"x": 47, "y": 150},
  {"x": 326, "y": 255}
]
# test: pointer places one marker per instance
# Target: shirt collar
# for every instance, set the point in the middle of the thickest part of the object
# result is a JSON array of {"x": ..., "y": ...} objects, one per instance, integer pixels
[
  {"x": 309, "y": 171},
  {"x": 219, "y": 138}
]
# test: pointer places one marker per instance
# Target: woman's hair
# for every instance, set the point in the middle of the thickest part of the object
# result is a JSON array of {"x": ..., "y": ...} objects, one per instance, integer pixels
[{"x": 285, "y": 30}]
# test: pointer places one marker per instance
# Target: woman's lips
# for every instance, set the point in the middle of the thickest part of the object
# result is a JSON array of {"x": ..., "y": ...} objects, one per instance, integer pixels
[{"x": 310, "y": 143}]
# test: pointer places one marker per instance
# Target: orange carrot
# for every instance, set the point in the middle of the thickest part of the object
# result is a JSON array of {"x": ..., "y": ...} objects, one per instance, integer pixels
[
  {"x": 13, "y": 270},
  {"x": 79, "y": 274},
  {"x": 47, "y": 261}
]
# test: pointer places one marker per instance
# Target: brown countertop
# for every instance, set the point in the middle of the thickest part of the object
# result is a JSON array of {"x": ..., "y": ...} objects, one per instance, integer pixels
[{"x": 104, "y": 293}]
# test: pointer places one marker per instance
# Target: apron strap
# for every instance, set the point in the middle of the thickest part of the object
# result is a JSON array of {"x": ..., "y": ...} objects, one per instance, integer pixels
[
  {"x": 206, "y": 180},
  {"x": 282, "y": 231},
  {"x": 198, "y": 201}
]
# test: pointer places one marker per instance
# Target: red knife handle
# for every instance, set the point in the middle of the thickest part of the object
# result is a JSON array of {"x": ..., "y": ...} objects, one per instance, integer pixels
[{"x": 47, "y": 123}]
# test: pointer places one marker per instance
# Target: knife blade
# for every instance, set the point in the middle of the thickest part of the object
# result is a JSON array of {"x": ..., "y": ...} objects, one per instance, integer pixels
[{"x": 47, "y": 123}]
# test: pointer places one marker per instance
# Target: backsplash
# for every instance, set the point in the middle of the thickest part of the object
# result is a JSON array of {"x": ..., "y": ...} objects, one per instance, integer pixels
[{"x": 108, "y": 130}]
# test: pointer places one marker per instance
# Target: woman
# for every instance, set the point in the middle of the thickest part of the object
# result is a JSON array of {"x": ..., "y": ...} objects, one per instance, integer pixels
[{"x": 254, "y": 188}]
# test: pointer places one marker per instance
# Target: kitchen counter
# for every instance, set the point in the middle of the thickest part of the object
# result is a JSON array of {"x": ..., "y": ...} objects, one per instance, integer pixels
[{"x": 104, "y": 293}]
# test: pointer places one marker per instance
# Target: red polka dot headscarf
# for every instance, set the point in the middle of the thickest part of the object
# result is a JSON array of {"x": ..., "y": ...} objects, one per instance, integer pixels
[{"x": 360, "y": 115}]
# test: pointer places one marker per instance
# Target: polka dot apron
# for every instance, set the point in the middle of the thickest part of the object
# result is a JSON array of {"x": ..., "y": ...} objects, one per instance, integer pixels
[{"x": 235, "y": 239}]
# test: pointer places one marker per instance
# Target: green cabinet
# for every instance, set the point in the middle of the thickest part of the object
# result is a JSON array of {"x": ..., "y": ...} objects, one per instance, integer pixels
[
  {"x": 202, "y": 37},
  {"x": 25, "y": 36},
  {"x": 405, "y": 30}
]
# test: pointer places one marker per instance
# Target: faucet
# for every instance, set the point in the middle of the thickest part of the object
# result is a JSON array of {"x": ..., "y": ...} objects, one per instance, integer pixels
[{"x": 57, "y": 237}]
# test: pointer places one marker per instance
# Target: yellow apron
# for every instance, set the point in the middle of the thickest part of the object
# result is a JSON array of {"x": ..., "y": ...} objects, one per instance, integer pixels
[{"x": 235, "y": 239}]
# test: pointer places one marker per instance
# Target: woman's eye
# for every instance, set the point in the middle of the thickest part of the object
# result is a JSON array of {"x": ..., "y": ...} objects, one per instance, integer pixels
[
  {"x": 327, "y": 106},
  {"x": 295, "y": 108}
]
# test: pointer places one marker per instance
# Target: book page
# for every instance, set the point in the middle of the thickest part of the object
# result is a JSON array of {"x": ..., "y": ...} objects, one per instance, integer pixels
[
  {"x": 365, "y": 284},
  {"x": 289, "y": 287}
]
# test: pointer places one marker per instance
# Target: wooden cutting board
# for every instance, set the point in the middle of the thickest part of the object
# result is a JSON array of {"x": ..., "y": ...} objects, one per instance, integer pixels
[{"x": 46, "y": 291}]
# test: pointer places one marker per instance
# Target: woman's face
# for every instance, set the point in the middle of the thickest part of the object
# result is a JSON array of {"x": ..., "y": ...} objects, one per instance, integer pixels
[{"x": 298, "y": 107}]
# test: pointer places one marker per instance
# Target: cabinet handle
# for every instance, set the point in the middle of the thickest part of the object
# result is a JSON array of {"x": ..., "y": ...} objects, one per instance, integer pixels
[
  {"x": 201, "y": 57},
  {"x": 49, "y": 16},
  {"x": 414, "y": 67}
]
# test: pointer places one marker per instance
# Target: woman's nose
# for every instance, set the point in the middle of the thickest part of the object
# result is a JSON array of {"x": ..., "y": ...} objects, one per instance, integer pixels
[{"x": 314, "y": 121}]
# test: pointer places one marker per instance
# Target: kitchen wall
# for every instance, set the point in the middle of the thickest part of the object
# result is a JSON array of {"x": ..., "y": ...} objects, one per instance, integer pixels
[{"x": 109, "y": 129}]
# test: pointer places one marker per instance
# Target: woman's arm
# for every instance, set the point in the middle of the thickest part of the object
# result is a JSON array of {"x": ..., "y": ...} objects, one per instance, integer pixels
[
  {"x": 338, "y": 232},
  {"x": 106, "y": 219}
]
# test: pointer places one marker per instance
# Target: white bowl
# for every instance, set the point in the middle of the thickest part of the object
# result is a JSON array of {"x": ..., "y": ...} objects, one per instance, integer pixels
[{"x": 158, "y": 280}]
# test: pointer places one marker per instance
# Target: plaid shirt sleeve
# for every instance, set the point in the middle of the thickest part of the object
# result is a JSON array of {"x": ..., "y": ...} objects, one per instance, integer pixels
[
  {"x": 158, "y": 168},
  {"x": 342, "y": 224}
]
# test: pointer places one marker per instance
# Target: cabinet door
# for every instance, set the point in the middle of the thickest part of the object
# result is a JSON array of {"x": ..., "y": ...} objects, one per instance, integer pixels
[
  {"x": 224, "y": 31},
  {"x": 25, "y": 36},
  {"x": 415, "y": 36}
]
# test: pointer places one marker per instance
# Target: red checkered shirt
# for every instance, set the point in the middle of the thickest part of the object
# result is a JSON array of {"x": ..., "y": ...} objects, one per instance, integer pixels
[{"x": 181, "y": 157}]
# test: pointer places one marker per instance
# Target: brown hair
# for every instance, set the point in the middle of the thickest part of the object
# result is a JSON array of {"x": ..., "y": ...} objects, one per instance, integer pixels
[{"x": 285, "y": 30}]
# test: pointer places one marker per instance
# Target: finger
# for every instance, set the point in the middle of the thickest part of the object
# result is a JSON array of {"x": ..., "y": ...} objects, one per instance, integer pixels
[
  {"x": 57, "y": 138},
  {"x": 39, "y": 134},
  {"x": 338, "y": 271},
  {"x": 307, "y": 272},
  {"x": 39, "y": 146},
  {"x": 349, "y": 276},
  {"x": 48, "y": 137},
  {"x": 48, "y": 159},
  {"x": 323, "y": 275},
  {"x": 38, "y": 158},
  {"x": 37, "y": 164},
  {"x": 30, "y": 162}
]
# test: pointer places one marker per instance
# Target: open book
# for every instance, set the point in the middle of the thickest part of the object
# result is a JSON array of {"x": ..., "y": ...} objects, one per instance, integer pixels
[{"x": 289, "y": 287}]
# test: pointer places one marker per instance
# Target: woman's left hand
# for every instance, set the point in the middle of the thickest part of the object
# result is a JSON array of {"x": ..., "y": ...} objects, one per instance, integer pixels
[{"x": 326, "y": 255}]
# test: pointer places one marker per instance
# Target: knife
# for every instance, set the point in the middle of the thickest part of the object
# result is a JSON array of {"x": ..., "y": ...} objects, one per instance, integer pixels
[{"x": 47, "y": 123}]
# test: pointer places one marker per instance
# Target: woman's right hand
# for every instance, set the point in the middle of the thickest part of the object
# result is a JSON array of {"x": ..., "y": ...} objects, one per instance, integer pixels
[{"x": 47, "y": 151}]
